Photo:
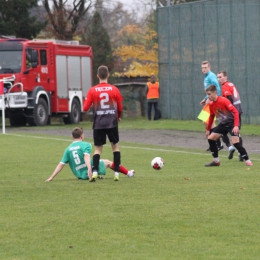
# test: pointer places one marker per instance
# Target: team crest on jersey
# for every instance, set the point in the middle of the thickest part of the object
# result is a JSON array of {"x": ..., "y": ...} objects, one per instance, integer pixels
[{"x": 218, "y": 111}]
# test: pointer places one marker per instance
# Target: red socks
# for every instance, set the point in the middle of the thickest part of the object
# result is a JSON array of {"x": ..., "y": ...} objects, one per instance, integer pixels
[{"x": 122, "y": 169}]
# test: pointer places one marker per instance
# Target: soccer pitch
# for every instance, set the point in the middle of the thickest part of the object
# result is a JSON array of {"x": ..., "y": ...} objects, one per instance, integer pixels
[{"x": 184, "y": 211}]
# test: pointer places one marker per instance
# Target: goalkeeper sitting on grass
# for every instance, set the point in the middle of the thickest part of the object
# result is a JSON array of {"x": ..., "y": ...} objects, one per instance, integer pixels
[{"x": 77, "y": 155}]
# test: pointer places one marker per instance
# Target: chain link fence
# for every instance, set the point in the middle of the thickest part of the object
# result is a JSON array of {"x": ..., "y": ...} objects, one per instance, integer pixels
[{"x": 224, "y": 32}]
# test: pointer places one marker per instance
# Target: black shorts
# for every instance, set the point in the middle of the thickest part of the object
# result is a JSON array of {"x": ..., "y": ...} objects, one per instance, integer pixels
[
  {"x": 100, "y": 136},
  {"x": 224, "y": 130}
]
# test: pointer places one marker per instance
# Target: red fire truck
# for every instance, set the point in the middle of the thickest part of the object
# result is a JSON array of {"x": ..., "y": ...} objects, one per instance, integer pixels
[{"x": 44, "y": 79}]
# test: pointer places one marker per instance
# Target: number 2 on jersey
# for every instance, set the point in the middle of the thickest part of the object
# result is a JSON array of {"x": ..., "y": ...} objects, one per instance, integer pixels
[{"x": 104, "y": 99}]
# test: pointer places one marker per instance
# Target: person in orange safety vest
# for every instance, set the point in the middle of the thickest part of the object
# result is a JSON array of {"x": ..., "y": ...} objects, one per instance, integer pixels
[{"x": 152, "y": 90}]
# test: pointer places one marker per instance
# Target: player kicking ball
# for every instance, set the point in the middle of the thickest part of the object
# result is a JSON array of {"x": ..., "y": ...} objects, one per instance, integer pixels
[{"x": 228, "y": 118}]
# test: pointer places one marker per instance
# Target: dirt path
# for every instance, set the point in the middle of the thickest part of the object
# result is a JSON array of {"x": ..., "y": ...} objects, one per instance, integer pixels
[{"x": 183, "y": 139}]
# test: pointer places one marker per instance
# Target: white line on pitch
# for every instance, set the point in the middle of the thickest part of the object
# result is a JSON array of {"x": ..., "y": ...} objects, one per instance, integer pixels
[{"x": 123, "y": 146}]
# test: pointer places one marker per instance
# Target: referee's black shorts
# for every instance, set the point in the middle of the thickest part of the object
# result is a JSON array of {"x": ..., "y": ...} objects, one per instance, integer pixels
[{"x": 100, "y": 136}]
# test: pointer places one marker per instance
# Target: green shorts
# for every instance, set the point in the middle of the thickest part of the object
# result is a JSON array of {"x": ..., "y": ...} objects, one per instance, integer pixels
[{"x": 101, "y": 170}]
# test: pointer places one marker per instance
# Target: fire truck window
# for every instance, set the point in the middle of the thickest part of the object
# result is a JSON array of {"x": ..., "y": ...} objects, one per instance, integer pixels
[
  {"x": 43, "y": 57},
  {"x": 28, "y": 58}
]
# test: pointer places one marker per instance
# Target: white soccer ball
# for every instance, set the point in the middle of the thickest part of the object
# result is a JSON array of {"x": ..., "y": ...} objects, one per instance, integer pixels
[{"x": 157, "y": 163}]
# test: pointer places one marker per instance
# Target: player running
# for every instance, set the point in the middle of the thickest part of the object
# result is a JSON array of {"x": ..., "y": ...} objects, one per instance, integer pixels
[
  {"x": 228, "y": 118},
  {"x": 230, "y": 92}
]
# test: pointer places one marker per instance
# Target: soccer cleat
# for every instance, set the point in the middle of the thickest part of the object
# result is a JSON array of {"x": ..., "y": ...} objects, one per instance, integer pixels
[
  {"x": 95, "y": 175},
  {"x": 100, "y": 177},
  {"x": 240, "y": 158},
  {"x": 221, "y": 147},
  {"x": 231, "y": 153},
  {"x": 131, "y": 173},
  {"x": 208, "y": 150},
  {"x": 213, "y": 163},
  {"x": 249, "y": 163},
  {"x": 116, "y": 178},
  {"x": 92, "y": 180}
]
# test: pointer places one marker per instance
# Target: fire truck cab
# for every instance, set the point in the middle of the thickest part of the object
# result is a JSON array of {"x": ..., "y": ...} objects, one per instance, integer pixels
[{"x": 44, "y": 79}]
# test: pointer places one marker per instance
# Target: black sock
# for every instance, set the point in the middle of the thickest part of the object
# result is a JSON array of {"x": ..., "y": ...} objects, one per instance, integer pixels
[
  {"x": 226, "y": 140},
  {"x": 213, "y": 148},
  {"x": 96, "y": 158},
  {"x": 117, "y": 161},
  {"x": 241, "y": 140},
  {"x": 241, "y": 150},
  {"x": 218, "y": 141}
]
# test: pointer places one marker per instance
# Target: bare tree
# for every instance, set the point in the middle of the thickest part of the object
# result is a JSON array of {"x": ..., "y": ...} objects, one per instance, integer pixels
[{"x": 64, "y": 17}]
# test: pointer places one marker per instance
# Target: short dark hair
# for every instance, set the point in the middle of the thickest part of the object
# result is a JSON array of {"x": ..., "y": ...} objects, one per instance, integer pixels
[
  {"x": 103, "y": 72},
  {"x": 77, "y": 132},
  {"x": 223, "y": 72},
  {"x": 211, "y": 88}
]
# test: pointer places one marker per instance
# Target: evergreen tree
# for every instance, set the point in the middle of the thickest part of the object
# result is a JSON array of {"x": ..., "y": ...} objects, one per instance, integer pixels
[
  {"x": 15, "y": 19},
  {"x": 97, "y": 37}
]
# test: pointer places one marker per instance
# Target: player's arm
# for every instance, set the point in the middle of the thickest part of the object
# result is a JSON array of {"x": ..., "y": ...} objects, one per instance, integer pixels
[
  {"x": 87, "y": 101},
  {"x": 227, "y": 94},
  {"x": 210, "y": 122},
  {"x": 207, "y": 133},
  {"x": 203, "y": 101},
  {"x": 88, "y": 164},
  {"x": 58, "y": 168},
  {"x": 230, "y": 98},
  {"x": 119, "y": 105},
  {"x": 231, "y": 108}
]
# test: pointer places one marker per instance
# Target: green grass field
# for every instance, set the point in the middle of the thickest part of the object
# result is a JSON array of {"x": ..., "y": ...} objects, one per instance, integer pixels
[{"x": 184, "y": 211}]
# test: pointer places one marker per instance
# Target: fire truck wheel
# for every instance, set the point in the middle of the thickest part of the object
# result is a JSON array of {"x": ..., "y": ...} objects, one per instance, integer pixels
[
  {"x": 40, "y": 114},
  {"x": 75, "y": 115}
]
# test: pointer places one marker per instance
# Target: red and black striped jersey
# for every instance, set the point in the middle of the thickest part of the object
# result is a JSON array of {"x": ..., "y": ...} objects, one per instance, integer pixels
[
  {"x": 224, "y": 111},
  {"x": 229, "y": 89},
  {"x": 107, "y": 105}
]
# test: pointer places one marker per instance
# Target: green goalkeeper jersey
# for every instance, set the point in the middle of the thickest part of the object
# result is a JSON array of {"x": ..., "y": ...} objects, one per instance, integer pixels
[{"x": 74, "y": 156}]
